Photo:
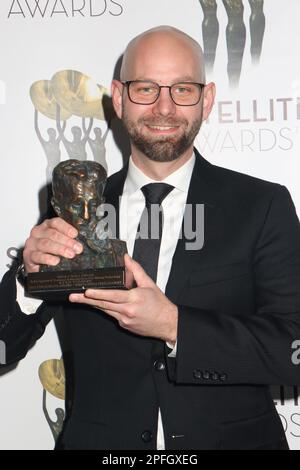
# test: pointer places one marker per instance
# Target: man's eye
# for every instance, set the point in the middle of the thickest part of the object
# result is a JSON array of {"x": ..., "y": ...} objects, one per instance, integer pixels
[
  {"x": 75, "y": 207},
  {"x": 182, "y": 90},
  {"x": 146, "y": 90}
]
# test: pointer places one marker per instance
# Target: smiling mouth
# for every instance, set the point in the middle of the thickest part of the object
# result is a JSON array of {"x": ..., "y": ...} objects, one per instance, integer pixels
[{"x": 162, "y": 128}]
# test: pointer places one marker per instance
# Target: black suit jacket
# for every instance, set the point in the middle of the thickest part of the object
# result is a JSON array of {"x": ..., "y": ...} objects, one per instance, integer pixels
[{"x": 239, "y": 313}]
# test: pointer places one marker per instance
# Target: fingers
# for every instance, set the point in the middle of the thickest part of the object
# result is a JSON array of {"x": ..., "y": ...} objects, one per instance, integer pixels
[
  {"x": 48, "y": 242},
  {"x": 47, "y": 245},
  {"x": 129, "y": 279},
  {"x": 37, "y": 258},
  {"x": 113, "y": 309},
  {"x": 110, "y": 295},
  {"x": 119, "y": 312},
  {"x": 108, "y": 299},
  {"x": 59, "y": 237},
  {"x": 139, "y": 274},
  {"x": 62, "y": 226}
]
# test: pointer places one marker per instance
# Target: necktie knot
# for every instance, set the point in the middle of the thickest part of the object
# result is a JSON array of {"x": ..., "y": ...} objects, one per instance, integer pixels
[
  {"x": 155, "y": 193},
  {"x": 149, "y": 232}
]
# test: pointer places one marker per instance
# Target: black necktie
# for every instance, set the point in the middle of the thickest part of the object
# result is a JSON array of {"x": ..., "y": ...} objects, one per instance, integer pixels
[{"x": 149, "y": 232}]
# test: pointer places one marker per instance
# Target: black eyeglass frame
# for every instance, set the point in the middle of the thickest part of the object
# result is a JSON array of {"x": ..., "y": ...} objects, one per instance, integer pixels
[{"x": 128, "y": 82}]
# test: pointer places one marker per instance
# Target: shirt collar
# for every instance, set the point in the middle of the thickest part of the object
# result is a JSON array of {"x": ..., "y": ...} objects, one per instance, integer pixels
[{"x": 180, "y": 178}]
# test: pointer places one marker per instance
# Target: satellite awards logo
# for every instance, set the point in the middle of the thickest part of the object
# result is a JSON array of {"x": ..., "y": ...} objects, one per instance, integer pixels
[
  {"x": 235, "y": 34},
  {"x": 70, "y": 94},
  {"x": 41, "y": 9},
  {"x": 244, "y": 123}
]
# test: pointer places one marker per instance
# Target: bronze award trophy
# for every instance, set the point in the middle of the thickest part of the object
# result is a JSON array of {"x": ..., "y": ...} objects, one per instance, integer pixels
[{"x": 77, "y": 197}]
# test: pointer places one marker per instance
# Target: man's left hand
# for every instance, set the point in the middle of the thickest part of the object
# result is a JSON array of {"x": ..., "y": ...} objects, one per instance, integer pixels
[{"x": 143, "y": 310}]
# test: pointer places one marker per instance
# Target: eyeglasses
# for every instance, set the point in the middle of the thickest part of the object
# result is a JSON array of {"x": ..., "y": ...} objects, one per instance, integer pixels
[{"x": 182, "y": 93}]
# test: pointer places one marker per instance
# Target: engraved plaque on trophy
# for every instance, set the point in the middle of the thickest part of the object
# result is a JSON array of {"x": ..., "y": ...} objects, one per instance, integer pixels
[{"x": 78, "y": 197}]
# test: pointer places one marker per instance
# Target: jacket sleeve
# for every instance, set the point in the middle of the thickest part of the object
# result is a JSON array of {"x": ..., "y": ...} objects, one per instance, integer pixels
[
  {"x": 255, "y": 349},
  {"x": 18, "y": 331}
]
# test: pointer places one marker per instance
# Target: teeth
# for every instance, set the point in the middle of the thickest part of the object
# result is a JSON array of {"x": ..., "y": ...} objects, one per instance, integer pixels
[{"x": 162, "y": 128}]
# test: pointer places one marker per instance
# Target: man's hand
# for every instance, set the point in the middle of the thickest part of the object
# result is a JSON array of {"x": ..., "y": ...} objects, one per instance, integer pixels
[
  {"x": 48, "y": 242},
  {"x": 143, "y": 310}
]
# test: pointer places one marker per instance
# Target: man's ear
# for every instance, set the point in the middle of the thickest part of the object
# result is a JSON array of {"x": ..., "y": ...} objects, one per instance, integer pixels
[
  {"x": 117, "y": 97},
  {"x": 208, "y": 100}
]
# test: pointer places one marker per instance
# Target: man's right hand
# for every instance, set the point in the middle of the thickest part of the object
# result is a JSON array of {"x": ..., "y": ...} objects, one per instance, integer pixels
[{"x": 48, "y": 242}]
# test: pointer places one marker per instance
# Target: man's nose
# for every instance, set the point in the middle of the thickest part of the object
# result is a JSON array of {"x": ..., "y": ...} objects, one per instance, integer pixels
[
  {"x": 164, "y": 105},
  {"x": 86, "y": 214}
]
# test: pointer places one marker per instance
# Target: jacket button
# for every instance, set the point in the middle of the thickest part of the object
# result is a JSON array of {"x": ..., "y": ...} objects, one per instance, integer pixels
[
  {"x": 223, "y": 377},
  {"x": 159, "y": 365},
  {"x": 197, "y": 374},
  {"x": 147, "y": 436}
]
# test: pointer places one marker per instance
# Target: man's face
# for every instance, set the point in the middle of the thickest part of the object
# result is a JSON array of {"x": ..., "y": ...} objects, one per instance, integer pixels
[
  {"x": 162, "y": 131},
  {"x": 80, "y": 208}
]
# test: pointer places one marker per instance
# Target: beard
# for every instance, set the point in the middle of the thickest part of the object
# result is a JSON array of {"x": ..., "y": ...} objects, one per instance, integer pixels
[{"x": 161, "y": 148}]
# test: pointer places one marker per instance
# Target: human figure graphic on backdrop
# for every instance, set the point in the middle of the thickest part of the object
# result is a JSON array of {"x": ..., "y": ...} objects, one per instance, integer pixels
[
  {"x": 235, "y": 34},
  {"x": 55, "y": 426},
  {"x": 236, "y": 39},
  {"x": 51, "y": 146},
  {"x": 97, "y": 144},
  {"x": 210, "y": 32},
  {"x": 257, "y": 24},
  {"x": 76, "y": 148}
]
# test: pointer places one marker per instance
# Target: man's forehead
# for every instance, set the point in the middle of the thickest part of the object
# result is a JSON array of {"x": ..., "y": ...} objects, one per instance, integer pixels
[
  {"x": 160, "y": 50},
  {"x": 167, "y": 34},
  {"x": 159, "y": 43},
  {"x": 164, "y": 68},
  {"x": 88, "y": 185}
]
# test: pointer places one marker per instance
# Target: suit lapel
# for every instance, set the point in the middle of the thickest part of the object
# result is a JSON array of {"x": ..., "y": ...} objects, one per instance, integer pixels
[{"x": 202, "y": 190}]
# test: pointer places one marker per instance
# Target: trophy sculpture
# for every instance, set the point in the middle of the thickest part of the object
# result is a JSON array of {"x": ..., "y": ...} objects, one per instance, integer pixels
[{"x": 78, "y": 197}]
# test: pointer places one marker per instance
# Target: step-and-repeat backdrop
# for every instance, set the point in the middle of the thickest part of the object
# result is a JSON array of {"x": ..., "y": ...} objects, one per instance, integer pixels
[{"x": 66, "y": 52}]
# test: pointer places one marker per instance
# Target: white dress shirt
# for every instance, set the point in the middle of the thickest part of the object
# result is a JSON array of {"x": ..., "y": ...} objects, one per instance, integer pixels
[{"x": 131, "y": 207}]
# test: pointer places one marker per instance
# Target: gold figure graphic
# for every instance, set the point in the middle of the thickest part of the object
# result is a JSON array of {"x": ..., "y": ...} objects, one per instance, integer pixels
[
  {"x": 52, "y": 377},
  {"x": 76, "y": 148},
  {"x": 50, "y": 146},
  {"x": 78, "y": 93},
  {"x": 235, "y": 34},
  {"x": 210, "y": 32},
  {"x": 43, "y": 99},
  {"x": 97, "y": 144},
  {"x": 71, "y": 93},
  {"x": 257, "y": 23},
  {"x": 236, "y": 39},
  {"x": 41, "y": 94}
]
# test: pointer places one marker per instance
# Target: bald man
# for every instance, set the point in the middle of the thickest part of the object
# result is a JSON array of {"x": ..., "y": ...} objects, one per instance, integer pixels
[{"x": 184, "y": 359}]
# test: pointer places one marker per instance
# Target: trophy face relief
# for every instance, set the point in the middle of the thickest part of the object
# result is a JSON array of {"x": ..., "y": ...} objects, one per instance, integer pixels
[{"x": 80, "y": 209}]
